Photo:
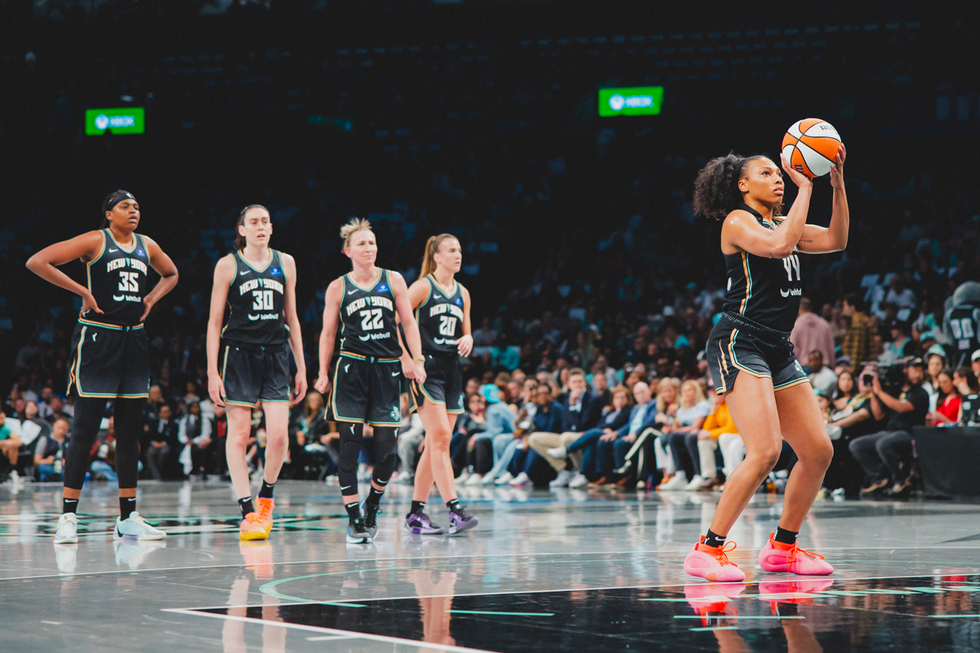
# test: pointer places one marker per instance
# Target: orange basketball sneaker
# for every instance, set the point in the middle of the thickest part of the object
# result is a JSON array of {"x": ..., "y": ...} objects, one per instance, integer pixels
[
  {"x": 252, "y": 528},
  {"x": 265, "y": 513},
  {"x": 712, "y": 563},
  {"x": 790, "y": 558}
]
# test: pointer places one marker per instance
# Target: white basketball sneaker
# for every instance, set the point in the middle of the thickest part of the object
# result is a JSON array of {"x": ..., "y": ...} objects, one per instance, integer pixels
[
  {"x": 134, "y": 527},
  {"x": 67, "y": 532}
]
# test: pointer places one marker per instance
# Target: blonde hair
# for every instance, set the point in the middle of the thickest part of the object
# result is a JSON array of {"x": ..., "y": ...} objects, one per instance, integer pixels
[
  {"x": 664, "y": 383},
  {"x": 431, "y": 247},
  {"x": 352, "y": 227},
  {"x": 698, "y": 392}
]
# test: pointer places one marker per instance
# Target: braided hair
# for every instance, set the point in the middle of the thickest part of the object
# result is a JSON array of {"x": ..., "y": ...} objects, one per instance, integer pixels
[{"x": 716, "y": 192}]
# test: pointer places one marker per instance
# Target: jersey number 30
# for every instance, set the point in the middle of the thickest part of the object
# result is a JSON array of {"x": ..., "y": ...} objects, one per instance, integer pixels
[
  {"x": 371, "y": 319},
  {"x": 263, "y": 300}
]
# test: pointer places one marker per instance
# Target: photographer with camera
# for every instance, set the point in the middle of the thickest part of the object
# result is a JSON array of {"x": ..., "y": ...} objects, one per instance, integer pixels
[{"x": 892, "y": 447}]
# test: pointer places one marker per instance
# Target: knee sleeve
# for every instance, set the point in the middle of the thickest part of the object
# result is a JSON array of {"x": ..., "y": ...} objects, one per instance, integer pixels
[
  {"x": 351, "y": 436},
  {"x": 85, "y": 428},
  {"x": 385, "y": 453},
  {"x": 127, "y": 419}
]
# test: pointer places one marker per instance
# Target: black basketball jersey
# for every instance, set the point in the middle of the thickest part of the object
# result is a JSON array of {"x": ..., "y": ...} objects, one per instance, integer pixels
[
  {"x": 367, "y": 318},
  {"x": 117, "y": 280},
  {"x": 961, "y": 325},
  {"x": 440, "y": 319},
  {"x": 255, "y": 303},
  {"x": 764, "y": 290}
]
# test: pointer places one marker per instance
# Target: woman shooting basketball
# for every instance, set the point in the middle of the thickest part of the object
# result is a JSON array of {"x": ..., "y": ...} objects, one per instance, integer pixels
[{"x": 751, "y": 358}]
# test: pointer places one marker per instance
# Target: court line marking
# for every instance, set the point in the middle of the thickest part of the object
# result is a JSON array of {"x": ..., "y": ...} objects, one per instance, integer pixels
[
  {"x": 349, "y": 602},
  {"x": 346, "y": 634}
]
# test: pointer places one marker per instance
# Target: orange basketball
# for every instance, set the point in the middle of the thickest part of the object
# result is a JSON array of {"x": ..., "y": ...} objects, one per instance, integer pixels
[{"x": 811, "y": 146}]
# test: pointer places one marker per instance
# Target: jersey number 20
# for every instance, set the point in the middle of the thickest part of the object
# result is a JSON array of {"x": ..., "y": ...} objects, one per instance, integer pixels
[{"x": 447, "y": 325}]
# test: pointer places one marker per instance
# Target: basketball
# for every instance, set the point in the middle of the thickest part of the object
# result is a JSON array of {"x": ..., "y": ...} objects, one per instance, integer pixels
[{"x": 811, "y": 146}]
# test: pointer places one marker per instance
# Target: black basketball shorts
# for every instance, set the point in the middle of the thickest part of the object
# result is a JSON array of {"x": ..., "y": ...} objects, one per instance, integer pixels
[
  {"x": 740, "y": 345},
  {"x": 366, "y": 389},
  {"x": 255, "y": 372},
  {"x": 109, "y": 361},
  {"x": 443, "y": 383}
]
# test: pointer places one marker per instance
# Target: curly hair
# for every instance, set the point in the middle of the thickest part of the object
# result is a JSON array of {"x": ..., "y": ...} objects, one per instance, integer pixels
[{"x": 716, "y": 191}]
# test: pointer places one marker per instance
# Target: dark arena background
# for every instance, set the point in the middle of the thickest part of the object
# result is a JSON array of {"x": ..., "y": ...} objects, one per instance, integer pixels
[{"x": 581, "y": 250}]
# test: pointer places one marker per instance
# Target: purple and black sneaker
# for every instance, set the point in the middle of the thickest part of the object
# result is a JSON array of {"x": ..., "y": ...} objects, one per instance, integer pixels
[
  {"x": 460, "y": 520},
  {"x": 420, "y": 524}
]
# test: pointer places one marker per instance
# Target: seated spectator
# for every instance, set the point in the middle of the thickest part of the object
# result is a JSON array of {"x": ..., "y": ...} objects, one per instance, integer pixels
[
  {"x": 57, "y": 410},
  {"x": 32, "y": 426},
  {"x": 550, "y": 417},
  {"x": 851, "y": 421},
  {"x": 411, "y": 436},
  {"x": 890, "y": 451},
  {"x": 471, "y": 423},
  {"x": 10, "y": 443},
  {"x": 583, "y": 449},
  {"x": 103, "y": 455},
  {"x": 162, "y": 440},
  {"x": 844, "y": 391},
  {"x": 821, "y": 377},
  {"x": 582, "y": 412},
  {"x": 500, "y": 421},
  {"x": 505, "y": 444},
  {"x": 668, "y": 400},
  {"x": 600, "y": 389},
  {"x": 304, "y": 436},
  {"x": 719, "y": 423},
  {"x": 935, "y": 363},
  {"x": 682, "y": 437},
  {"x": 194, "y": 433},
  {"x": 49, "y": 452},
  {"x": 219, "y": 434},
  {"x": 969, "y": 388},
  {"x": 948, "y": 407},
  {"x": 612, "y": 448}
]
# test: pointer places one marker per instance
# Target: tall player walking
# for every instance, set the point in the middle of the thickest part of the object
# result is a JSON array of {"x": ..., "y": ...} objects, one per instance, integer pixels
[
  {"x": 367, "y": 378},
  {"x": 247, "y": 359},
  {"x": 751, "y": 358},
  {"x": 110, "y": 354},
  {"x": 442, "y": 308}
]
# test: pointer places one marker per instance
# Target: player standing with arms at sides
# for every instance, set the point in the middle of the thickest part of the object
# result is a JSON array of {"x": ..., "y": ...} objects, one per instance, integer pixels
[
  {"x": 442, "y": 309},
  {"x": 110, "y": 353},
  {"x": 750, "y": 355},
  {"x": 248, "y": 360},
  {"x": 367, "y": 378}
]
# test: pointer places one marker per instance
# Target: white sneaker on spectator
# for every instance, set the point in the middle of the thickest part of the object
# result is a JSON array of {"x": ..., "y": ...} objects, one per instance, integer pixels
[
  {"x": 521, "y": 479},
  {"x": 67, "y": 532},
  {"x": 463, "y": 477},
  {"x": 678, "y": 482},
  {"x": 331, "y": 479},
  {"x": 504, "y": 479},
  {"x": 641, "y": 485},
  {"x": 475, "y": 479},
  {"x": 696, "y": 482},
  {"x": 564, "y": 478},
  {"x": 558, "y": 452},
  {"x": 578, "y": 480},
  {"x": 489, "y": 479}
]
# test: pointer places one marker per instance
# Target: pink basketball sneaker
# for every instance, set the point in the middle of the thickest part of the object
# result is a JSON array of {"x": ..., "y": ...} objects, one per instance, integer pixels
[
  {"x": 777, "y": 557},
  {"x": 712, "y": 563}
]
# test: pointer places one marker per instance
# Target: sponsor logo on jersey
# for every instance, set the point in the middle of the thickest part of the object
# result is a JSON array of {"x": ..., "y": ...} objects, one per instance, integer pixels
[
  {"x": 795, "y": 292},
  {"x": 275, "y": 271},
  {"x": 113, "y": 251},
  {"x": 374, "y": 336},
  {"x": 267, "y": 316},
  {"x": 351, "y": 292},
  {"x": 395, "y": 373},
  {"x": 140, "y": 252},
  {"x": 244, "y": 272},
  {"x": 126, "y": 298},
  {"x": 396, "y": 414},
  {"x": 444, "y": 341},
  {"x": 383, "y": 287},
  {"x": 458, "y": 301}
]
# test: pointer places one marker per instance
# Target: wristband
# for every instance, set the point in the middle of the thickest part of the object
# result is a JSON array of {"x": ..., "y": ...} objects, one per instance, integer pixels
[{"x": 419, "y": 360}]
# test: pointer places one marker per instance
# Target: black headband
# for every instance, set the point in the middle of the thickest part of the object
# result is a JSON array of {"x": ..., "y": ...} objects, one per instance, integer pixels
[
  {"x": 110, "y": 202},
  {"x": 738, "y": 173}
]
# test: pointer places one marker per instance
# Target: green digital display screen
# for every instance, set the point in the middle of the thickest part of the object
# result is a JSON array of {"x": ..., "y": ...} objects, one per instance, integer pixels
[
  {"x": 632, "y": 101},
  {"x": 116, "y": 121}
]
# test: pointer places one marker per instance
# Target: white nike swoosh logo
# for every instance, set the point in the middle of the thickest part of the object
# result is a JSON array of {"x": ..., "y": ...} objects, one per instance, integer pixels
[
  {"x": 242, "y": 274},
  {"x": 254, "y": 317},
  {"x": 784, "y": 293},
  {"x": 364, "y": 338},
  {"x": 118, "y": 298},
  {"x": 351, "y": 292},
  {"x": 395, "y": 373},
  {"x": 112, "y": 250}
]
